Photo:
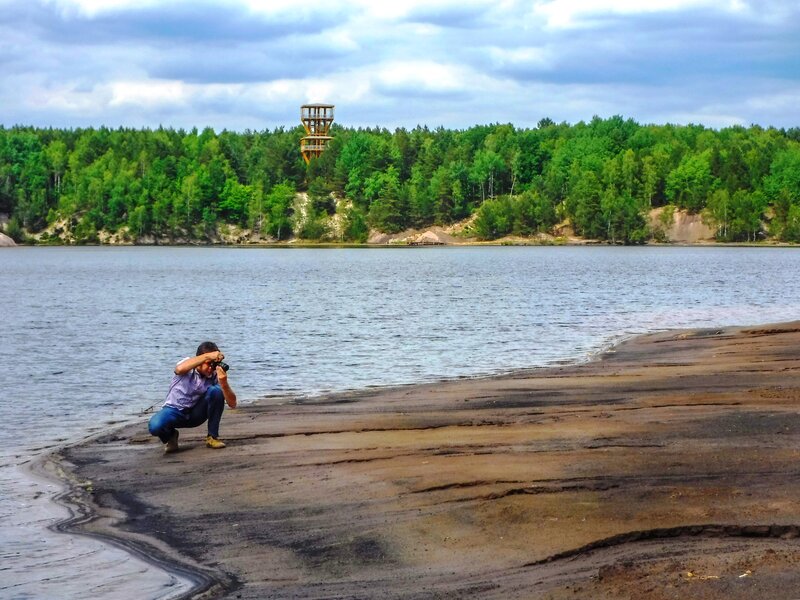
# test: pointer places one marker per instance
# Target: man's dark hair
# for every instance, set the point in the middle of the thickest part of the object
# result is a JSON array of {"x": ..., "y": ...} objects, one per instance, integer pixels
[{"x": 206, "y": 347}]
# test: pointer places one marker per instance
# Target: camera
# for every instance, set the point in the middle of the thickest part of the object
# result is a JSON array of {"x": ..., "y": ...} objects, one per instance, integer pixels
[{"x": 219, "y": 363}]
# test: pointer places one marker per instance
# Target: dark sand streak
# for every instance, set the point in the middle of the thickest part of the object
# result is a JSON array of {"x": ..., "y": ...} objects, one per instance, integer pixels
[{"x": 89, "y": 519}]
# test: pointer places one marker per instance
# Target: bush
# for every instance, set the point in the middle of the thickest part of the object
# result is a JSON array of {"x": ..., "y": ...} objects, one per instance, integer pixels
[
  {"x": 355, "y": 226},
  {"x": 14, "y": 231},
  {"x": 314, "y": 227}
]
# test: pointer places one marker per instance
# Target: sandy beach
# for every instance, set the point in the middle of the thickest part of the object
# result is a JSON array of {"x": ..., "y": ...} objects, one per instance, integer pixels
[{"x": 665, "y": 468}]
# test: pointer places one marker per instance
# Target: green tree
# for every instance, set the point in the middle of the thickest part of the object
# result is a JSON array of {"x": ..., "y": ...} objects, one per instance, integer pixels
[
  {"x": 650, "y": 180},
  {"x": 782, "y": 188},
  {"x": 255, "y": 210},
  {"x": 689, "y": 184},
  {"x": 313, "y": 226},
  {"x": 486, "y": 168},
  {"x": 321, "y": 197},
  {"x": 532, "y": 213},
  {"x": 355, "y": 228},
  {"x": 56, "y": 153},
  {"x": 791, "y": 228},
  {"x": 623, "y": 221},
  {"x": 139, "y": 221},
  {"x": 494, "y": 218},
  {"x": 719, "y": 214},
  {"x": 421, "y": 203},
  {"x": 747, "y": 208},
  {"x": 235, "y": 202},
  {"x": 386, "y": 211},
  {"x": 587, "y": 213},
  {"x": 278, "y": 206}
]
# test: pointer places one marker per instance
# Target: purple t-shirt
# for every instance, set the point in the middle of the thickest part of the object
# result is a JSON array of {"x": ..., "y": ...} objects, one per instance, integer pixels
[{"x": 187, "y": 389}]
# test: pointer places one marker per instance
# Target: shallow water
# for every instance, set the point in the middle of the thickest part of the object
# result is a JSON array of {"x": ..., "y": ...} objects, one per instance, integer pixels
[{"x": 91, "y": 334}]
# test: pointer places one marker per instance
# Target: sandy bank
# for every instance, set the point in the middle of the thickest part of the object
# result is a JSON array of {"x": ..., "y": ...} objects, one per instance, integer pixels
[{"x": 667, "y": 468}]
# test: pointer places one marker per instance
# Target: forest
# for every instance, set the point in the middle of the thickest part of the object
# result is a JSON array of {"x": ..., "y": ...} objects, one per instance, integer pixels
[{"x": 600, "y": 177}]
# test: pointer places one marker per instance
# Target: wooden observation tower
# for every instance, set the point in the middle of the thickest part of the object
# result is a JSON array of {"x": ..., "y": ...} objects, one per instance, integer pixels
[{"x": 317, "y": 119}]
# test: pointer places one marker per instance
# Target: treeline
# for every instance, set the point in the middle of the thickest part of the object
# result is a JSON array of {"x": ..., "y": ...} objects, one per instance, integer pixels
[{"x": 600, "y": 177}]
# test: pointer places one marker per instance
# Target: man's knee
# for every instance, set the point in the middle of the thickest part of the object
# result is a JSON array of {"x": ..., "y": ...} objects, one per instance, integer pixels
[
  {"x": 162, "y": 423},
  {"x": 215, "y": 394},
  {"x": 156, "y": 424}
]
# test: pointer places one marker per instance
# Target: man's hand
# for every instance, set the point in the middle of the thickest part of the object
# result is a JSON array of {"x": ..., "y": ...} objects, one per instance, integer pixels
[
  {"x": 215, "y": 356},
  {"x": 227, "y": 392}
]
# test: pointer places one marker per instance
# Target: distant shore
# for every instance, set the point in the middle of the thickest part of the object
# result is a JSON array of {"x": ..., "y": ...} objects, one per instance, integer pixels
[
  {"x": 532, "y": 242},
  {"x": 684, "y": 229},
  {"x": 667, "y": 466}
]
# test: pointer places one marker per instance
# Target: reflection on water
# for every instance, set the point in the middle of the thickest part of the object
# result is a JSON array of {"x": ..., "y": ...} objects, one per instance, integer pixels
[{"x": 90, "y": 336}]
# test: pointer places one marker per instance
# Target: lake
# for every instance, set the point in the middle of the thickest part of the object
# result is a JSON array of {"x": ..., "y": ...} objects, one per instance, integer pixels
[{"x": 91, "y": 336}]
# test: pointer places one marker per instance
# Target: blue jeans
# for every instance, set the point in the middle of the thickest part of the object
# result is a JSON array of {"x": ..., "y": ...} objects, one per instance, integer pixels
[{"x": 209, "y": 408}]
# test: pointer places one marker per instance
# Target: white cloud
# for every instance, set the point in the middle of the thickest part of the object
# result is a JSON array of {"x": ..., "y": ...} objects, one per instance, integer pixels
[
  {"x": 339, "y": 39},
  {"x": 335, "y": 88},
  {"x": 427, "y": 75},
  {"x": 65, "y": 99},
  {"x": 394, "y": 10},
  {"x": 527, "y": 56},
  {"x": 779, "y": 101},
  {"x": 707, "y": 117},
  {"x": 91, "y": 8},
  {"x": 565, "y": 14},
  {"x": 149, "y": 94}
]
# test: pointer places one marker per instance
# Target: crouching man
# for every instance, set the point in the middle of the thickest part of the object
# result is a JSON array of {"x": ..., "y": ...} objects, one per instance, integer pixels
[{"x": 198, "y": 393}]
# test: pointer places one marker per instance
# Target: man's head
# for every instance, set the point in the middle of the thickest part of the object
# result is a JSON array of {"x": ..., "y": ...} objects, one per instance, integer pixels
[
  {"x": 206, "y": 347},
  {"x": 207, "y": 368}
]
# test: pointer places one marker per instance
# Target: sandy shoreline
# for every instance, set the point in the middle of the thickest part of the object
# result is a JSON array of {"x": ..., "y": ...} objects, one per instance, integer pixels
[{"x": 665, "y": 468}]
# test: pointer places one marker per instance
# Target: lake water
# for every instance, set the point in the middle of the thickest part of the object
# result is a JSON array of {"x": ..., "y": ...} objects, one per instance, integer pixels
[{"x": 90, "y": 337}]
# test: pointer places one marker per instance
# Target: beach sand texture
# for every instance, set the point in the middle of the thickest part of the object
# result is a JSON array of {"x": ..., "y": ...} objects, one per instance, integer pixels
[{"x": 666, "y": 468}]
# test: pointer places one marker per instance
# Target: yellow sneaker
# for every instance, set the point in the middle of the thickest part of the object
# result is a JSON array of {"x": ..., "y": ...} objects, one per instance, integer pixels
[
  {"x": 172, "y": 444},
  {"x": 215, "y": 443}
]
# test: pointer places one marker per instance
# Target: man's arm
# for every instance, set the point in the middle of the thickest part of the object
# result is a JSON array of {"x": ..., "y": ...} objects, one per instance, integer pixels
[
  {"x": 187, "y": 365},
  {"x": 230, "y": 396}
]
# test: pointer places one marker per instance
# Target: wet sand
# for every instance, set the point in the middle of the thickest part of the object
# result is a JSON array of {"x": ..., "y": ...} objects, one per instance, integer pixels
[{"x": 666, "y": 468}]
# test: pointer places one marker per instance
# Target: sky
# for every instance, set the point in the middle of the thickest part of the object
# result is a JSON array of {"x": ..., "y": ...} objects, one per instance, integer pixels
[{"x": 250, "y": 64}]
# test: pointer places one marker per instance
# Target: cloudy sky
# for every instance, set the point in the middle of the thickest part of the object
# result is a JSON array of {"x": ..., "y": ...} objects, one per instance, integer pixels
[{"x": 240, "y": 64}]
